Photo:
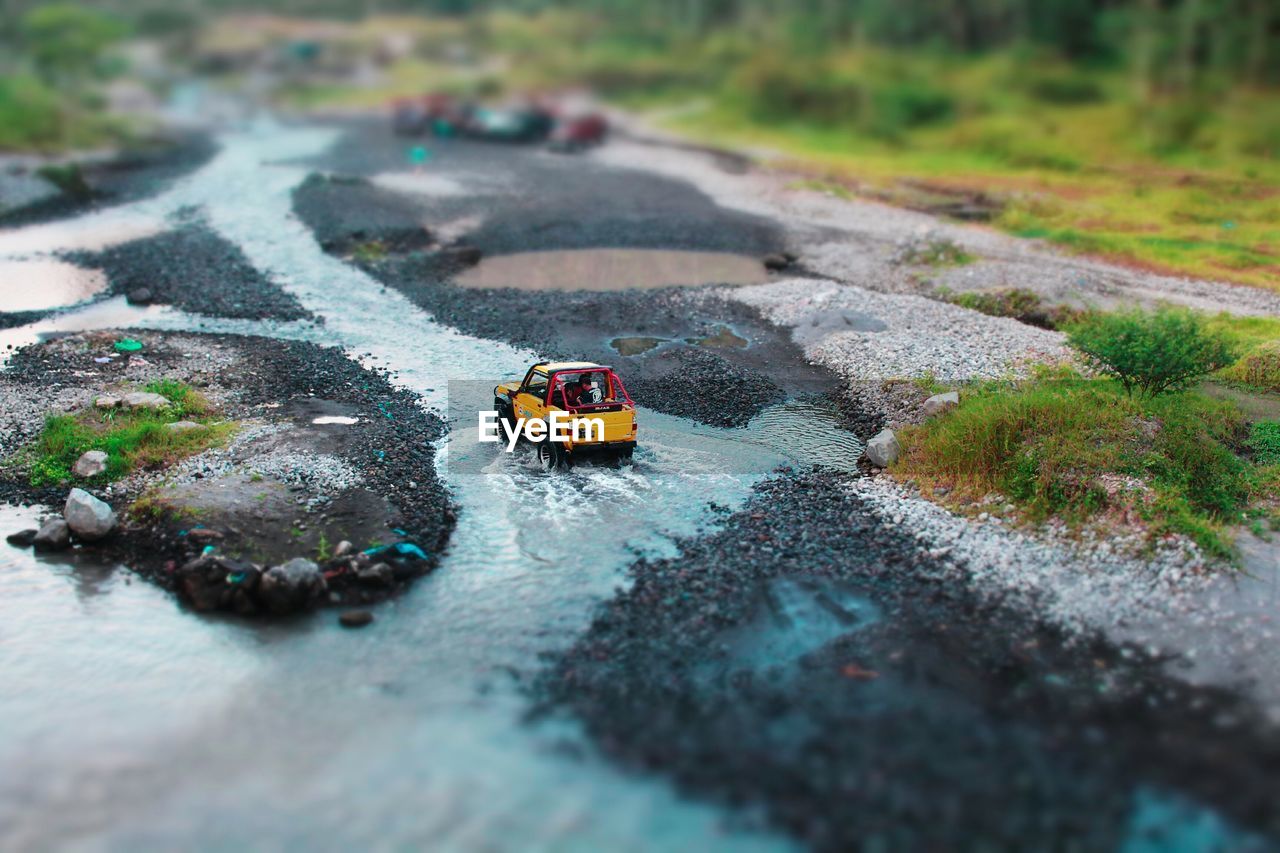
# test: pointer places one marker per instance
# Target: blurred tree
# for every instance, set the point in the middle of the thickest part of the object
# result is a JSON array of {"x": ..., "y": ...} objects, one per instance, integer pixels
[{"x": 66, "y": 41}]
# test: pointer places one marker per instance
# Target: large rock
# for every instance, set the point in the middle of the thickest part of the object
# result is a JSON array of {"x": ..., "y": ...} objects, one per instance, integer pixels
[
  {"x": 218, "y": 583},
  {"x": 882, "y": 451},
  {"x": 145, "y": 400},
  {"x": 89, "y": 518},
  {"x": 53, "y": 535},
  {"x": 107, "y": 401},
  {"x": 295, "y": 586},
  {"x": 939, "y": 403},
  {"x": 90, "y": 464},
  {"x": 22, "y": 539}
]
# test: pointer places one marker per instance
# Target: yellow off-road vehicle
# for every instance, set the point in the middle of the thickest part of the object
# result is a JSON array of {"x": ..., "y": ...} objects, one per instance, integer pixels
[{"x": 583, "y": 408}]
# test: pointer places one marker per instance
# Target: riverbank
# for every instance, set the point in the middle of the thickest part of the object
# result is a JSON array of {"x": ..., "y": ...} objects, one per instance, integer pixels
[{"x": 287, "y": 472}]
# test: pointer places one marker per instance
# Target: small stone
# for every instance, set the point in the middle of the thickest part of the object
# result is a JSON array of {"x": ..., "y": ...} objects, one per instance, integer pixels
[
  {"x": 183, "y": 426},
  {"x": 53, "y": 535},
  {"x": 939, "y": 403},
  {"x": 140, "y": 296},
  {"x": 22, "y": 539},
  {"x": 294, "y": 586},
  {"x": 343, "y": 548},
  {"x": 882, "y": 450},
  {"x": 89, "y": 518},
  {"x": 378, "y": 574},
  {"x": 90, "y": 464},
  {"x": 355, "y": 618},
  {"x": 463, "y": 255},
  {"x": 775, "y": 261},
  {"x": 106, "y": 401},
  {"x": 145, "y": 400},
  {"x": 203, "y": 535}
]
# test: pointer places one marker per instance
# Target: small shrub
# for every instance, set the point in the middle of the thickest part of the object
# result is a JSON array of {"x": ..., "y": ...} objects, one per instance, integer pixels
[
  {"x": 1068, "y": 90},
  {"x": 1260, "y": 368},
  {"x": 904, "y": 106},
  {"x": 1151, "y": 353}
]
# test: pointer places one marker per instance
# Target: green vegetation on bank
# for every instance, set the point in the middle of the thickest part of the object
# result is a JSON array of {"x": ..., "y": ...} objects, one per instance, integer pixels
[
  {"x": 52, "y": 59},
  {"x": 1126, "y": 130},
  {"x": 132, "y": 439},
  {"x": 1134, "y": 447},
  {"x": 1080, "y": 449},
  {"x": 1123, "y": 130}
]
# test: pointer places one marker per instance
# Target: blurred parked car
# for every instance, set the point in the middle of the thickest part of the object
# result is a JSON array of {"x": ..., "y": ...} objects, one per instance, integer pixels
[
  {"x": 579, "y": 132},
  {"x": 437, "y": 112}
]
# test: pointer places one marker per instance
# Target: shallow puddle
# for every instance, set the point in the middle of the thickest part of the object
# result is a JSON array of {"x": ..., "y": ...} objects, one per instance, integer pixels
[
  {"x": 39, "y": 285},
  {"x": 91, "y": 233},
  {"x": 635, "y": 346},
  {"x": 612, "y": 269},
  {"x": 724, "y": 338}
]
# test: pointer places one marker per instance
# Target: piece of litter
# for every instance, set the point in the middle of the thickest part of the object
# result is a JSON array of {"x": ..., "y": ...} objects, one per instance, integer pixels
[
  {"x": 103, "y": 360},
  {"x": 335, "y": 419},
  {"x": 128, "y": 345}
]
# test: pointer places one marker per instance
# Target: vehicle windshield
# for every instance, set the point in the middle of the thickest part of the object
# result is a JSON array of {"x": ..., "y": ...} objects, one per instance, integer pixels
[{"x": 590, "y": 388}]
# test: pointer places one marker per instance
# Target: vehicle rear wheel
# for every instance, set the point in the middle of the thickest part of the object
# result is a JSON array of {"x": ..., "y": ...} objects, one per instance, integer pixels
[
  {"x": 551, "y": 456},
  {"x": 625, "y": 456}
]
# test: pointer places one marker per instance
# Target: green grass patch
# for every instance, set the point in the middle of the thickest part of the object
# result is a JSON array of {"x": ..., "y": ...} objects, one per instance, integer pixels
[
  {"x": 131, "y": 439},
  {"x": 1259, "y": 369},
  {"x": 1077, "y": 449},
  {"x": 938, "y": 253},
  {"x": 1264, "y": 440},
  {"x": 187, "y": 401},
  {"x": 1023, "y": 305}
]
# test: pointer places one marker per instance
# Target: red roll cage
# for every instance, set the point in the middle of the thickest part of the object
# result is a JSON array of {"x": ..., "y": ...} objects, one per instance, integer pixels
[{"x": 618, "y": 391}]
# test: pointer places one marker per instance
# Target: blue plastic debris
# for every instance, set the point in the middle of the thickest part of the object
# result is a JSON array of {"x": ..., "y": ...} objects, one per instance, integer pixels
[
  {"x": 400, "y": 549},
  {"x": 208, "y": 549}
]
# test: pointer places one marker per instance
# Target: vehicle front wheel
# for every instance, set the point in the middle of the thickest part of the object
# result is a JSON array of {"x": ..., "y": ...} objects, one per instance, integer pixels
[{"x": 505, "y": 414}]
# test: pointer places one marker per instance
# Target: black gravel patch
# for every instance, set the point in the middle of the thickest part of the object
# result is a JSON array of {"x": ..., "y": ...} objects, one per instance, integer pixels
[
  {"x": 13, "y": 319},
  {"x": 721, "y": 387},
  {"x": 351, "y": 214},
  {"x": 929, "y": 720},
  {"x": 140, "y": 171},
  {"x": 528, "y": 201},
  {"x": 556, "y": 203},
  {"x": 193, "y": 269}
]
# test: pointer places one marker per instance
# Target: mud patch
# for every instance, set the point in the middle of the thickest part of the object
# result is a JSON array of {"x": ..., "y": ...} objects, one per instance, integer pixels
[
  {"x": 41, "y": 285},
  {"x": 612, "y": 269}
]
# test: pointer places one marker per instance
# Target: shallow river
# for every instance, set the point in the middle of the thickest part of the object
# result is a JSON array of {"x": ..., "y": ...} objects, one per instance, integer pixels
[
  {"x": 128, "y": 723},
  {"x": 127, "y": 720}
]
